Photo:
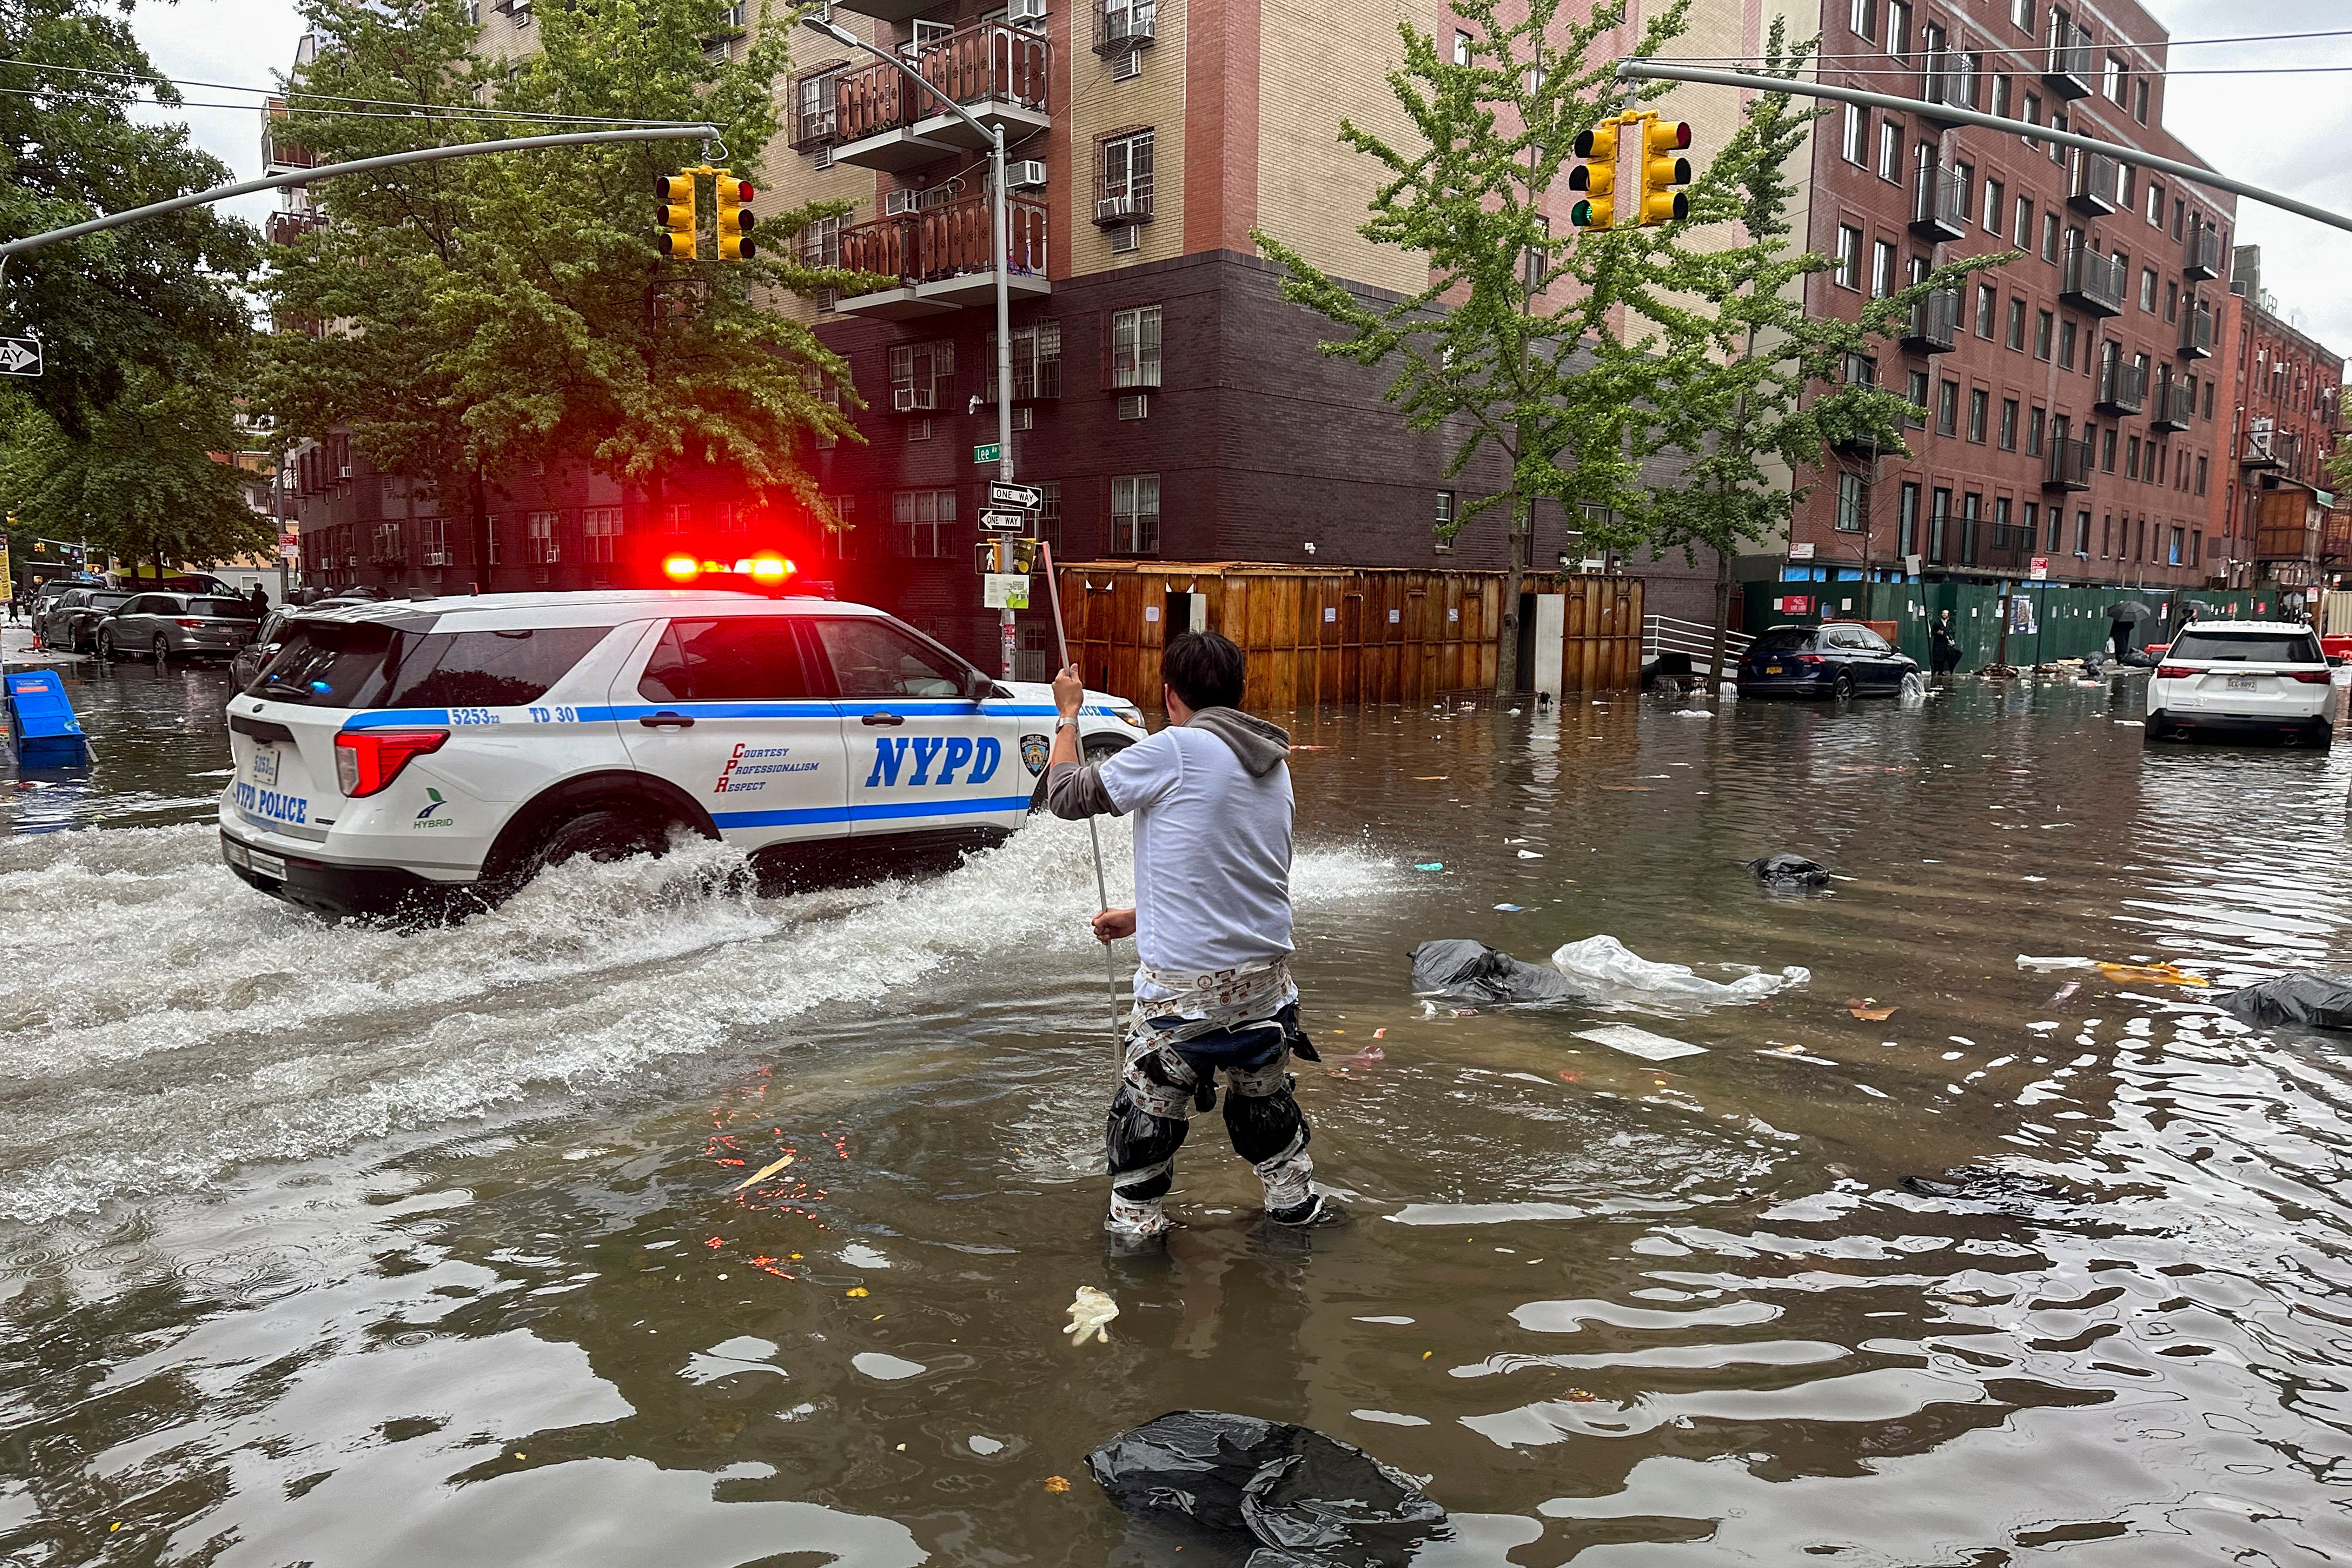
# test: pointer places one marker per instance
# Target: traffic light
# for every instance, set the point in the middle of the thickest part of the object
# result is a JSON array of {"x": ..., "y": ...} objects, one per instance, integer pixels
[
  {"x": 735, "y": 225},
  {"x": 677, "y": 215},
  {"x": 1596, "y": 176},
  {"x": 1661, "y": 171}
]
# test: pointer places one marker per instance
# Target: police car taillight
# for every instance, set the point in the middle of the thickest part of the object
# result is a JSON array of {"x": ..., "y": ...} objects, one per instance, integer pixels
[{"x": 368, "y": 760}]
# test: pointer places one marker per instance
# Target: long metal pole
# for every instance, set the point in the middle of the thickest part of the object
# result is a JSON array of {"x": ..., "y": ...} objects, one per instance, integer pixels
[
  {"x": 357, "y": 166},
  {"x": 1102, "y": 885},
  {"x": 1000, "y": 218},
  {"x": 1653, "y": 70}
]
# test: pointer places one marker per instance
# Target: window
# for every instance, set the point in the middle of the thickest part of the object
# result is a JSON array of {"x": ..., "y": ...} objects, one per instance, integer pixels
[
  {"x": 2033, "y": 420},
  {"x": 2180, "y": 216},
  {"x": 2043, "y": 324},
  {"x": 2140, "y": 100},
  {"x": 1996, "y": 205},
  {"x": 2016, "y": 336},
  {"x": 2200, "y": 475},
  {"x": 2173, "y": 550},
  {"x": 1906, "y": 520},
  {"x": 744, "y": 658},
  {"x": 1986, "y": 298},
  {"x": 1898, "y": 27},
  {"x": 1461, "y": 48},
  {"x": 2147, "y": 289},
  {"x": 1135, "y": 513},
  {"x": 2171, "y": 300},
  {"x": 1126, "y": 174},
  {"x": 599, "y": 527},
  {"x": 1036, "y": 362},
  {"x": 821, "y": 242},
  {"x": 919, "y": 374},
  {"x": 2001, "y": 96},
  {"x": 2009, "y": 425},
  {"x": 1848, "y": 271},
  {"x": 1980, "y": 402},
  {"x": 544, "y": 548},
  {"x": 2112, "y": 82},
  {"x": 2131, "y": 458},
  {"x": 2154, "y": 204},
  {"x": 1965, "y": 176},
  {"x": 2032, "y": 115},
  {"x": 2020, "y": 232},
  {"x": 2066, "y": 345},
  {"x": 1947, "y": 408},
  {"x": 2020, "y": 16},
  {"x": 1857, "y": 135},
  {"x": 1445, "y": 520},
  {"x": 2107, "y": 451},
  {"x": 2031, "y": 528},
  {"x": 1860, "y": 370},
  {"x": 1135, "y": 347},
  {"x": 1939, "y": 513},
  {"x": 1971, "y": 508},
  {"x": 924, "y": 523},
  {"x": 1864, "y": 19},
  {"x": 2196, "y": 546},
  {"x": 1917, "y": 393},
  {"x": 2000, "y": 515},
  {"x": 1890, "y": 150},
  {"x": 2050, "y": 236},
  {"x": 872, "y": 658},
  {"x": 1881, "y": 269},
  {"x": 1852, "y": 503}
]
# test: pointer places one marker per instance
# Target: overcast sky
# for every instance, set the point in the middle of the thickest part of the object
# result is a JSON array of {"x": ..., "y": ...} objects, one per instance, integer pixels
[{"x": 2285, "y": 133}]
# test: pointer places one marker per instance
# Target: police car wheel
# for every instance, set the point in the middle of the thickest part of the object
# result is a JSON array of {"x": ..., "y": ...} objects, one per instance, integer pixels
[
  {"x": 601, "y": 835},
  {"x": 1092, "y": 749}
]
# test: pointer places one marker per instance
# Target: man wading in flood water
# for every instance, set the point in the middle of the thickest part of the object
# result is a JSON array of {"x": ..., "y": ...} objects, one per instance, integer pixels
[{"x": 1211, "y": 797}]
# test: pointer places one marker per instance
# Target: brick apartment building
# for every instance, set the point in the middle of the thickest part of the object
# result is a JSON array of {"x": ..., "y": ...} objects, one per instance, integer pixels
[
  {"x": 2277, "y": 517},
  {"x": 2076, "y": 408}
]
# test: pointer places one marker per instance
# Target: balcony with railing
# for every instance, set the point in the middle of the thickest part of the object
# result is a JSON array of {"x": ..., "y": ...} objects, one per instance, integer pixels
[
  {"x": 1947, "y": 78},
  {"x": 2097, "y": 185},
  {"x": 1125, "y": 26},
  {"x": 2266, "y": 446},
  {"x": 1939, "y": 206},
  {"x": 278, "y": 155},
  {"x": 2070, "y": 465},
  {"x": 2175, "y": 404},
  {"x": 287, "y": 224},
  {"x": 2197, "y": 334},
  {"x": 2092, "y": 282},
  {"x": 999, "y": 73},
  {"x": 2204, "y": 262},
  {"x": 1935, "y": 327},
  {"x": 943, "y": 259},
  {"x": 2120, "y": 391},
  {"x": 2069, "y": 69}
]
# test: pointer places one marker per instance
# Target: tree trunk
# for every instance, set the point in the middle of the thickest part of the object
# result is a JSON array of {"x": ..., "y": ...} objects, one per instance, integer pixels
[
  {"x": 1506, "y": 657},
  {"x": 479, "y": 493},
  {"x": 1722, "y": 622}
]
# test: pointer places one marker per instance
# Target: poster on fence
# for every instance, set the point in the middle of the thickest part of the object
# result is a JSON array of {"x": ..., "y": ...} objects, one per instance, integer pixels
[{"x": 2021, "y": 615}]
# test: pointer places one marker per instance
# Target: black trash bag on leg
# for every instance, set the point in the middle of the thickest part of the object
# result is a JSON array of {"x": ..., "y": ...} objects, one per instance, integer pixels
[{"x": 1301, "y": 1496}]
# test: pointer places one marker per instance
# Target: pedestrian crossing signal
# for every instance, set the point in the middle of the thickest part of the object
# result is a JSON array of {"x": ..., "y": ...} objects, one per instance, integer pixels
[
  {"x": 1596, "y": 176},
  {"x": 677, "y": 215},
  {"x": 735, "y": 224}
]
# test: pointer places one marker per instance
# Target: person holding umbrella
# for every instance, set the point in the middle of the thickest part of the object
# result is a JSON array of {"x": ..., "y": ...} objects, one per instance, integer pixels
[{"x": 2122, "y": 616}]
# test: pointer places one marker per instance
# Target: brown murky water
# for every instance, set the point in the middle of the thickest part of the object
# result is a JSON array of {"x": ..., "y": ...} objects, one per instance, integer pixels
[{"x": 344, "y": 1247}]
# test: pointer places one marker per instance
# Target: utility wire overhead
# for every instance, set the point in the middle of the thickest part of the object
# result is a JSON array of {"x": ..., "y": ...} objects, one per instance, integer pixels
[
  {"x": 2032, "y": 48},
  {"x": 291, "y": 94}
]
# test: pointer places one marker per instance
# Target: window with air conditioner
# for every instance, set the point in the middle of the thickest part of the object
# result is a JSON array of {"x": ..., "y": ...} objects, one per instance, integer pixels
[
  {"x": 545, "y": 547},
  {"x": 816, "y": 107},
  {"x": 1135, "y": 513},
  {"x": 1124, "y": 193},
  {"x": 1126, "y": 66},
  {"x": 1135, "y": 405},
  {"x": 432, "y": 542},
  {"x": 920, "y": 373},
  {"x": 600, "y": 533},
  {"x": 1024, "y": 418},
  {"x": 924, "y": 522},
  {"x": 1135, "y": 347}
]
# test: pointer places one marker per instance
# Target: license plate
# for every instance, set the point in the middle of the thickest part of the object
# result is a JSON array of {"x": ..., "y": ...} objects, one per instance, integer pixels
[
  {"x": 2241, "y": 683},
  {"x": 264, "y": 766},
  {"x": 1771, "y": 669},
  {"x": 267, "y": 864}
]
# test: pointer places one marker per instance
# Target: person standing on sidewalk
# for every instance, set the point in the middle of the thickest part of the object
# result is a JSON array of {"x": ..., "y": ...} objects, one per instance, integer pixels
[
  {"x": 1943, "y": 648},
  {"x": 1212, "y": 801}
]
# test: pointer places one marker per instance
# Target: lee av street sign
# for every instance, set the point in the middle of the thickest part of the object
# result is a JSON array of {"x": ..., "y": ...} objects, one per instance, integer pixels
[
  {"x": 1004, "y": 492},
  {"x": 20, "y": 356},
  {"x": 988, "y": 452},
  {"x": 1004, "y": 522}
]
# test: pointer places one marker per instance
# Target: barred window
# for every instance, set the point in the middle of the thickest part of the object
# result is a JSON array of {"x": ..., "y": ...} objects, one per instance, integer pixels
[
  {"x": 925, "y": 522},
  {"x": 599, "y": 528},
  {"x": 1135, "y": 347},
  {"x": 1135, "y": 513}
]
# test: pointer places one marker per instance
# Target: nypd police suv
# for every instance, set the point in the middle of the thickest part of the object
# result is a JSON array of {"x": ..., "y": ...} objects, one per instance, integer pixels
[{"x": 429, "y": 754}]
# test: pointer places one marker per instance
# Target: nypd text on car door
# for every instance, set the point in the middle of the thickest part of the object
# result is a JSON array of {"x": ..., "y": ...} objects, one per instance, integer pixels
[{"x": 925, "y": 752}]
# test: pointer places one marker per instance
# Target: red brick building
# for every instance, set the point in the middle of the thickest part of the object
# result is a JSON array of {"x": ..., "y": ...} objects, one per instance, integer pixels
[
  {"x": 2277, "y": 517},
  {"x": 2072, "y": 407}
]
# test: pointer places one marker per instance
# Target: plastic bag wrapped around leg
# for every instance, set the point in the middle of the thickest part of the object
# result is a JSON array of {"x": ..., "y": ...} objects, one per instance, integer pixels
[
  {"x": 1311, "y": 1497},
  {"x": 1603, "y": 965},
  {"x": 2312, "y": 1000},
  {"x": 1473, "y": 972}
]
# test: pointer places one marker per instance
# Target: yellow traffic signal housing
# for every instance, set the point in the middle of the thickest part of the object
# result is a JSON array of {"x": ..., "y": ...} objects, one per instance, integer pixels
[
  {"x": 1661, "y": 171},
  {"x": 1596, "y": 176},
  {"x": 677, "y": 215},
  {"x": 735, "y": 225}
]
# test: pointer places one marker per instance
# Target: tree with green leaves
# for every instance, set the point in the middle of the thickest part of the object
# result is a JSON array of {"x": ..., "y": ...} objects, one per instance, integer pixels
[
  {"x": 467, "y": 316},
  {"x": 1747, "y": 391},
  {"x": 1491, "y": 345}
]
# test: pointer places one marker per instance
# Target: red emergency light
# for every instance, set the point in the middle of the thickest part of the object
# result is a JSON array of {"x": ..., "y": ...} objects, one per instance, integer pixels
[{"x": 764, "y": 570}]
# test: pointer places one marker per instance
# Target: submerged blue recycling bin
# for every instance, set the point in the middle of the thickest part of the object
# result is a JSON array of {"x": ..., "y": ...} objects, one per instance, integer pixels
[{"x": 42, "y": 721}]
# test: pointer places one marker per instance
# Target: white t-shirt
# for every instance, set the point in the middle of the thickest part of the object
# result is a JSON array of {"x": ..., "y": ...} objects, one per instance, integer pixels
[{"x": 1211, "y": 852}]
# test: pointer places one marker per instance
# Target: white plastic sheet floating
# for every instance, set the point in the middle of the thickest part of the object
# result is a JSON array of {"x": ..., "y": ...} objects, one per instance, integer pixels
[
  {"x": 2026, "y": 961},
  {"x": 1090, "y": 1313},
  {"x": 1607, "y": 968},
  {"x": 1640, "y": 1042}
]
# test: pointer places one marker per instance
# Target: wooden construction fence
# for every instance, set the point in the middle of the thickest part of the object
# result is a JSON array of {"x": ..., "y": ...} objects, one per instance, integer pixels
[{"x": 1342, "y": 634}]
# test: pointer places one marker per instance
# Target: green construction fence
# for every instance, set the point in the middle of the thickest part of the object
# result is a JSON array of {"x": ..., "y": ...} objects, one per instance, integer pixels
[{"x": 2069, "y": 621}]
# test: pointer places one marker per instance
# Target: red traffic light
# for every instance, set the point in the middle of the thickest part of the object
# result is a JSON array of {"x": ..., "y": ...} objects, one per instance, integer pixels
[{"x": 743, "y": 192}]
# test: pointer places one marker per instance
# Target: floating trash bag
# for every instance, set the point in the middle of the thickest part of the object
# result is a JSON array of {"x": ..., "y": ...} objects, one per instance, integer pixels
[
  {"x": 1789, "y": 870},
  {"x": 1604, "y": 965},
  {"x": 1309, "y": 1498},
  {"x": 1473, "y": 972},
  {"x": 2311, "y": 1000}
]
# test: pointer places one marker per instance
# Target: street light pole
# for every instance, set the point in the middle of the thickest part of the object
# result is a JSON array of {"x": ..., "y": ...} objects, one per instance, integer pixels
[{"x": 1001, "y": 231}]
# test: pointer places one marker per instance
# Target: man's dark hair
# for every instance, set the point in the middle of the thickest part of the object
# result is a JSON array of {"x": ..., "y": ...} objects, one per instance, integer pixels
[{"x": 1202, "y": 668}]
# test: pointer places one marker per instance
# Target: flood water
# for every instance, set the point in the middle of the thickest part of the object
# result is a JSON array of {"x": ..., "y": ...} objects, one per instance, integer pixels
[{"x": 341, "y": 1246}]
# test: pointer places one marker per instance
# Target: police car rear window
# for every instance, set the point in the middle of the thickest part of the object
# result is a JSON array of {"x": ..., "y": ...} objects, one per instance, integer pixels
[{"x": 367, "y": 665}]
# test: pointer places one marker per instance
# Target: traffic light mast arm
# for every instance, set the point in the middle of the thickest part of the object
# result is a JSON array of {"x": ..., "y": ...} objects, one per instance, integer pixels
[
  {"x": 1654, "y": 70},
  {"x": 359, "y": 166}
]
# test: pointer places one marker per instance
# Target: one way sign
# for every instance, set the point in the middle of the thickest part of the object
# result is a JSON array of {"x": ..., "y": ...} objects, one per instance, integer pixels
[{"x": 20, "y": 356}]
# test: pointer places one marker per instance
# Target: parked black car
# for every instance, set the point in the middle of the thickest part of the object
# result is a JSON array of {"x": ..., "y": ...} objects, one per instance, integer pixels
[
  {"x": 1835, "y": 658},
  {"x": 70, "y": 619},
  {"x": 161, "y": 626}
]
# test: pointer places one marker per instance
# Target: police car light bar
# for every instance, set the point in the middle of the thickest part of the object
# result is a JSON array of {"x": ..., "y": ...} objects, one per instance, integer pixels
[{"x": 766, "y": 570}]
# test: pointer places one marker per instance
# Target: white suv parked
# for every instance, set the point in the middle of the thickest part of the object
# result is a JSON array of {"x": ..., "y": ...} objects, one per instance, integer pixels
[
  {"x": 2246, "y": 678},
  {"x": 413, "y": 758}
]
